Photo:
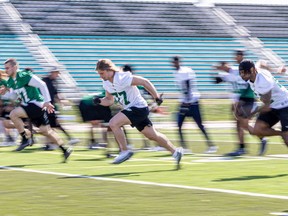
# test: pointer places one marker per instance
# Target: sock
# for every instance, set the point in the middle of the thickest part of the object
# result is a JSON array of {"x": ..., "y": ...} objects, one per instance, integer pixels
[
  {"x": 62, "y": 148},
  {"x": 242, "y": 146},
  {"x": 23, "y": 135}
]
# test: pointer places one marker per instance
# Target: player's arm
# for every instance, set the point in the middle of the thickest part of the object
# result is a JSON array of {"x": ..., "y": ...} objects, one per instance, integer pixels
[
  {"x": 3, "y": 87},
  {"x": 38, "y": 83},
  {"x": 108, "y": 100},
  {"x": 265, "y": 107},
  {"x": 141, "y": 81},
  {"x": 266, "y": 99}
]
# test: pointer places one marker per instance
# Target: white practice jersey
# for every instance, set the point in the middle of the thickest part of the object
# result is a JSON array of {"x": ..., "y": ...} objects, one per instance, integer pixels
[
  {"x": 186, "y": 80},
  {"x": 127, "y": 95},
  {"x": 265, "y": 82}
]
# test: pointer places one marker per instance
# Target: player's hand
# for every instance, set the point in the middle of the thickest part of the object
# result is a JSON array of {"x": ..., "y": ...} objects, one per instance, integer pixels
[
  {"x": 3, "y": 90},
  {"x": 159, "y": 100},
  {"x": 218, "y": 80},
  {"x": 49, "y": 107},
  {"x": 96, "y": 100}
]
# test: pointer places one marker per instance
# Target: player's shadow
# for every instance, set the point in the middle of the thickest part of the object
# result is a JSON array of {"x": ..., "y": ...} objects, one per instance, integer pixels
[
  {"x": 248, "y": 178},
  {"x": 124, "y": 174},
  {"x": 29, "y": 150},
  {"x": 91, "y": 159},
  {"x": 161, "y": 155},
  {"x": 24, "y": 165}
]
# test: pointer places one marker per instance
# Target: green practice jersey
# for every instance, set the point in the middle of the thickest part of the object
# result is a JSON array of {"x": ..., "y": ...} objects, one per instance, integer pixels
[
  {"x": 27, "y": 94},
  {"x": 88, "y": 99}
]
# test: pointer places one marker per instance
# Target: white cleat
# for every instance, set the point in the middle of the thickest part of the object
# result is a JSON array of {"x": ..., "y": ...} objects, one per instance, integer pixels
[
  {"x": 211, "y": 150},
  {"x": 123, "y": 156},
  {"x": 73, "y": 141}
]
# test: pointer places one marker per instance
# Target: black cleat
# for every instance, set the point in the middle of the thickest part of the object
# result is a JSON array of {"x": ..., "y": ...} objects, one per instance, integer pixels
[
  {"x": 24, "y": 143},
  {"x": 67, "y": 154}
]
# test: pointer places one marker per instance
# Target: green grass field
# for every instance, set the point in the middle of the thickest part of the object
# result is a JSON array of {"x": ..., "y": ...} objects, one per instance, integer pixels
[{"x": 35, "y": 182}]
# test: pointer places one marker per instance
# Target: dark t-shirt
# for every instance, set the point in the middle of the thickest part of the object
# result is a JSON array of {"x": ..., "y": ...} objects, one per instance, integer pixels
[{"x": 52, "y": 88}]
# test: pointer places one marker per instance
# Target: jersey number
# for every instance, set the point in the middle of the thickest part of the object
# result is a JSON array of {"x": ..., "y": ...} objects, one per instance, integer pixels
[{"x": 122, "y": 95}]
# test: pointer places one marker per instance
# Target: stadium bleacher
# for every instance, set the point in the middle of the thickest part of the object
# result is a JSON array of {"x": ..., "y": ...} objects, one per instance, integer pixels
[
  {"x": 12, "y": 47},
  {"x": 143, "y": 34},
  {"x": 261, "y": 20},
  {"x": 117, "y": 18},
  {"x": 150, "y": 57}
]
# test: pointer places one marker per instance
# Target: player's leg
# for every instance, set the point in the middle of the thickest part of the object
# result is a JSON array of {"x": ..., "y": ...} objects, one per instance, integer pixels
[
  {"x": 180, "y": 119},
  {"x": 196, "y": 115},
  {"x": 116, "y": 124},
  {"x": 16, "y": 116},
  {"x": 283, "y": 116},
  {"x": 161, "y": 139},
  {"x": 264, "y": 123},
  {"x": 48, "y": 132},
  {"x": 150, "y": 132}
]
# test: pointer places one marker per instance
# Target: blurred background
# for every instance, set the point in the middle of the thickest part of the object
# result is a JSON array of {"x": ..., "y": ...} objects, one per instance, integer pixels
[{"x": 73, "y": 35}]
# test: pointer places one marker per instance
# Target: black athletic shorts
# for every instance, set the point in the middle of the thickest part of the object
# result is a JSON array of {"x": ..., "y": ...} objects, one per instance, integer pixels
[
  {"x": 92, "y": 112},
  {"x": 36, "y": 114},
  {"x": 245, "y": 107},
  {"x": 5, "y": 114},
  {"x": 274, "y": 116},
  {"x": 53, "y": 120},
  {"x": 138, "y": 117}
]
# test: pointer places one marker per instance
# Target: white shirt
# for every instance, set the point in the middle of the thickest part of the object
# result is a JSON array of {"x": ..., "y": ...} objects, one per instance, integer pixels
[
  {"x": 186, "y": 76},
  {"x": 236, "y": 81},
  {"x": 127, "y": 95},
  {"x": 264, "y": 83}
]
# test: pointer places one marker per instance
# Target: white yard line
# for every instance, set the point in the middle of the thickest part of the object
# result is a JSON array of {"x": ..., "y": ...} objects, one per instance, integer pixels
[{"x": 235, "y": 192}]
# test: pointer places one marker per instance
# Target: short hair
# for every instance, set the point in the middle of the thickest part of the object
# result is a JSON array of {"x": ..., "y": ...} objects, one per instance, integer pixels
[
  {"x": 240, "y": 52},
  {"x": 223, "y": 63},
  {"x": 54, "y": 69},
  {"x": 11, "y": 61},
  {"x": 127, "y": 67},
  {"x": 28, "y": 69},
  {"x": 176, "y": 58},
  {"x": 106, "y": 64},
  {"x": 246, "y": 65}
]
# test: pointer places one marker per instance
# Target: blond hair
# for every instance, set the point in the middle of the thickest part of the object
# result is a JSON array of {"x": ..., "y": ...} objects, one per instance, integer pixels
[{"x": 106, "y": 64}]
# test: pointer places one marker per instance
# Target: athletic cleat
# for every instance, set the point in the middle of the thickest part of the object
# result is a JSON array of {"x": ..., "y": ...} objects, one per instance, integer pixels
[
  {"x": 123, "y": 156},
  {"x": 24, "y": 143},
  {"x": 187, "y": 151},
  {"x": 211, "y": 150},
  {"x": 67, "y": 154},
  {"x": 236, "y": 153},
  {"x": 263, "y": 147},
  {"x": 159, "y": 148},
  {"x": 73, "y": 141},
  {"x": 178, "y": 156},
  {"x": 50, "y": 147}
]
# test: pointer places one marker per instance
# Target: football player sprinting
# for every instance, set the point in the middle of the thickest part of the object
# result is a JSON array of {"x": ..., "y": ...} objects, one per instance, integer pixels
[
  {"x": 35, "y": 102},
  {"x": 122, "y": 87}
]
